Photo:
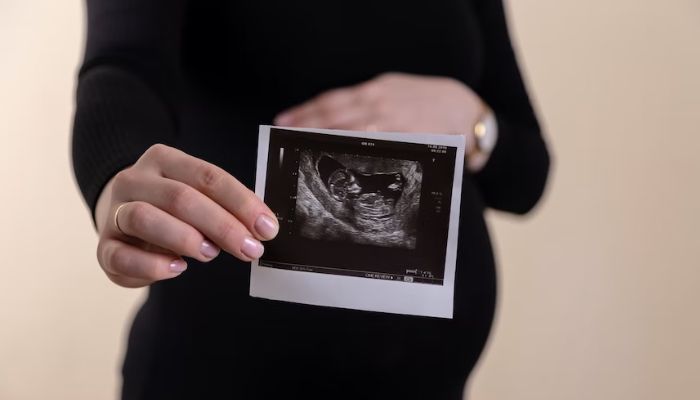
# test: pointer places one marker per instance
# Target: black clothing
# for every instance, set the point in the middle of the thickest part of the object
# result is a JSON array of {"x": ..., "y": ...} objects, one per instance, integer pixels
[{"x": 201, "y": 76}]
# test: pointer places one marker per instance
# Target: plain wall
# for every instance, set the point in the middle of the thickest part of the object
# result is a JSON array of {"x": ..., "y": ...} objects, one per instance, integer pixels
[{"x": 598, "y": 287}]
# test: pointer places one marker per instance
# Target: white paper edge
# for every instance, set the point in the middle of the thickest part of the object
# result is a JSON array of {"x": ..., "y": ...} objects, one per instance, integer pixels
[{"x": 356, "y": 292}]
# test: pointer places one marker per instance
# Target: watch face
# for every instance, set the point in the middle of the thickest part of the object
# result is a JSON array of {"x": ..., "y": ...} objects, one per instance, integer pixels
[{"x": 480, "y": 130}]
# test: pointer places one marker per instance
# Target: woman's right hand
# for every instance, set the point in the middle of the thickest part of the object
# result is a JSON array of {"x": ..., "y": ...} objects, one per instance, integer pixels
[{"x": 169, "y": 205}]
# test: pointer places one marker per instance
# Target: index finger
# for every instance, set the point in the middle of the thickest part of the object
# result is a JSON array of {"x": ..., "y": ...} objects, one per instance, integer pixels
[{"x": 220, "y": 186}]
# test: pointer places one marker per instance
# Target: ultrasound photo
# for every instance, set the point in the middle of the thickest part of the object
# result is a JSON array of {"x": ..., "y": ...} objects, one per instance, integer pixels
[
  {"x": 357, "y": 198},
  {"x": 368, "y": 220}
]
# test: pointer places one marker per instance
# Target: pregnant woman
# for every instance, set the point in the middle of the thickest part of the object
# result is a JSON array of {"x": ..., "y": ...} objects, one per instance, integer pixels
[{"x": 169, "y": 99}]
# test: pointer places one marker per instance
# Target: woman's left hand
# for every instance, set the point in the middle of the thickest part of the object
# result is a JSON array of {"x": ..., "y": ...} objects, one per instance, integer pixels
[{"x": 394, "y": 102}]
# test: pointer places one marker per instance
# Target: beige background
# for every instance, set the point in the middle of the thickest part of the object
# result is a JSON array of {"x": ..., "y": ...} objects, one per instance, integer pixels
[{"x": 599, "y": 287}]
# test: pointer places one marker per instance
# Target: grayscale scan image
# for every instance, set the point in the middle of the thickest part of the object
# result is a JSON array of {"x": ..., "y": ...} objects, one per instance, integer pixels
[{"x": 362, "y": 199}]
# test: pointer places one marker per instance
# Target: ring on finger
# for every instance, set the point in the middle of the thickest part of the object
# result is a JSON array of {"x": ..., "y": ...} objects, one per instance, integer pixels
[{"x": 116, "y": 218}]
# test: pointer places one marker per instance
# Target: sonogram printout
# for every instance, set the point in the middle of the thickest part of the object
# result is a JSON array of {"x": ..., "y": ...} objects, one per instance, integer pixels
[{"x": 368, "y": 220}]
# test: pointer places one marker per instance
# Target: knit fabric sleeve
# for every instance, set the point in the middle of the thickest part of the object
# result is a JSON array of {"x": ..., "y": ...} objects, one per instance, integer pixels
[
  {"x": 127, "y": 93},
  {"x": 515, "y": 175}
]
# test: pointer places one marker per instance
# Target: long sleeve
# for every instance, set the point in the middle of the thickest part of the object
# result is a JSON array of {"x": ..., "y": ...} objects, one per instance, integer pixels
[
  {"x": 127, "y": 94},
  {"x": 514, "y": 178}
]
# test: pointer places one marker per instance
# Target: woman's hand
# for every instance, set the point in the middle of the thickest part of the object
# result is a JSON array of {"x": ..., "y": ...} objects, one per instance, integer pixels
[
  {"x": 392, "y": 102},
  {"x": 170, "y": 204}
]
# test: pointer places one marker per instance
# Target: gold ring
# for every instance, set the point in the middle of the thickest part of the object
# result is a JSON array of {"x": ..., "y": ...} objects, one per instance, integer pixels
[{"x": 116, "y": 220}]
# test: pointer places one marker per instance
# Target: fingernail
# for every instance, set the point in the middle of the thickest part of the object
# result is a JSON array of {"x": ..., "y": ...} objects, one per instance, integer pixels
[
  {"x": 252, "y": 248},
  {"x": 266, "y": 227},
  {"x": 283, "y": 119},
  {"x": 208, "y": 249},
  {"x": 178, "y": 266}
]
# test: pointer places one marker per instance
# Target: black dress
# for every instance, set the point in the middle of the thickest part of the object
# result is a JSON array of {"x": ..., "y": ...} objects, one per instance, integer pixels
[{"x": 201, "y": 76}]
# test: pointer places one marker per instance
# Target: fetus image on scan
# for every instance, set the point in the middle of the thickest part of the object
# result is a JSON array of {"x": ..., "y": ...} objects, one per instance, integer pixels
[{"x": 362, "y": 199}]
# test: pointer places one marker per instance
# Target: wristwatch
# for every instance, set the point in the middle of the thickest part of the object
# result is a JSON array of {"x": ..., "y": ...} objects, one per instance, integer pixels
[{"x": 485, "y": 133}]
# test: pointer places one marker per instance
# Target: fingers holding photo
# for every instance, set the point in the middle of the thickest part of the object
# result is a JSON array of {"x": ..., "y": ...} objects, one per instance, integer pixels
[
  {"x": 168, "y": 205},
  {"x": 152, "y": 225},
  {"x": 218, "y": 185}
]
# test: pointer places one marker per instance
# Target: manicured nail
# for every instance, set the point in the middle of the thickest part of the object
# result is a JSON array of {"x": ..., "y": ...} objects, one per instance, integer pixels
[
  {"x": 178, "y": 266},
  {"x": 208, "y": 249},
  {"x": 252, "y": 248},
  {"x": 266, "y": 227},
  {"x": 283, "y": 119}
]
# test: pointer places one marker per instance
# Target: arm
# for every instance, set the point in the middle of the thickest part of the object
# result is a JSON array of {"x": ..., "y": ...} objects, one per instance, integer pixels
[
  {"x": 160, "y": 203},
  {"x": 514, "y": 177},
  {"x": 127, "y": 95}
]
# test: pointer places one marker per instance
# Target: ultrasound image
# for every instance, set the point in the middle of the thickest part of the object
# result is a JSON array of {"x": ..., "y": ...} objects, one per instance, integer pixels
[{"x": 362, "y": 199}]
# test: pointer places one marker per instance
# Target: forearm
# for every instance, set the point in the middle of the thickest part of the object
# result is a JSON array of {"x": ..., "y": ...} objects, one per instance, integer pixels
[
  {"x": 515, "y": 175},
  {"x": 128, "y": 88},
  {"x": 117, "y": 118}
]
